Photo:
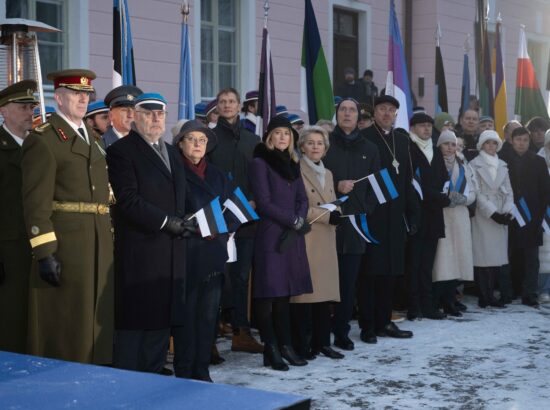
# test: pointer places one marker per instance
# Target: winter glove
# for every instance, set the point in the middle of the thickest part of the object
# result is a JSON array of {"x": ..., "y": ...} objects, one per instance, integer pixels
[
  {"x": 286, "y": 240},
  {"x": 174, "y": 226},
  {"x": 49, "y": 270},
  {"x": 500, "y": 219},
  {"x": 190, "y": 226},
  {"x": 2, "y": 273},
  {"x": 335, "y": 218},
  {"x": 460, "y": 199},
  {"x": 305, "y": 228}
]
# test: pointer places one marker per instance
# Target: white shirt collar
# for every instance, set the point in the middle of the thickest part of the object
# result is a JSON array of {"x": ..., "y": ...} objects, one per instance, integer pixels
[
  {"x": 118, "y": 134},
  {"x": 75, "y": 126},
  {"x": 17, "y": 139}
]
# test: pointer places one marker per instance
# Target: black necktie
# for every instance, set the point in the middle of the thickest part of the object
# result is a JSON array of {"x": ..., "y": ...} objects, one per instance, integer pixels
[{"x": 83, "y": 134}]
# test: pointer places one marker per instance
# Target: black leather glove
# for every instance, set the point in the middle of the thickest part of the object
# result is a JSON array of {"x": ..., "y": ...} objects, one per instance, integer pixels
[
  {"x": 2, "y": 273},
  {"x": 500, "y": 219},
  {"x": 413, "y": 229},
  {"x": 335, "y": 218},
  {"x": 305, "y": 228},
  {"x": 286, "y": 240},
  {"x": 190, "y": 226},
  {"x": 174, "y": 226},
  {"x": 50, "y": 270}
]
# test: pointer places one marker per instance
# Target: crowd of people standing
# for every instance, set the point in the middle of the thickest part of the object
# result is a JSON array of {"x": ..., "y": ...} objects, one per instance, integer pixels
[{"x": 103, "y": 259}]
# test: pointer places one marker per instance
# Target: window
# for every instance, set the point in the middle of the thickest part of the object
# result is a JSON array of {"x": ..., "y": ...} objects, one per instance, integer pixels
[
  {"x": 219, "y": 46},
  {"x": 52, "y": 46},
  {"x": 346, "y": 43}
]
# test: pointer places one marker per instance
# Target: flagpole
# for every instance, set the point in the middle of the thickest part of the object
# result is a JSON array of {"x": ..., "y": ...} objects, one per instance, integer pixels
[{"x": 266, "y": 12}]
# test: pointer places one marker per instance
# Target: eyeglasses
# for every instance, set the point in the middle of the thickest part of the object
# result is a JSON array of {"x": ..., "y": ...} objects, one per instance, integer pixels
[
  {"x": 194, "y": 140},
  {"x": 149, "y": 114}
]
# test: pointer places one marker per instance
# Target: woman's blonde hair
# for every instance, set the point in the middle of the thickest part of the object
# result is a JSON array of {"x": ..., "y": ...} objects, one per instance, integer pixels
[
  {"x": 293, "y": 156},
  {"x": 313, "y": 129}
]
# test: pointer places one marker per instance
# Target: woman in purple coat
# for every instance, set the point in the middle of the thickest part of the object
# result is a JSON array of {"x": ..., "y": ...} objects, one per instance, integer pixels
[{"x": 281, "y": 268}]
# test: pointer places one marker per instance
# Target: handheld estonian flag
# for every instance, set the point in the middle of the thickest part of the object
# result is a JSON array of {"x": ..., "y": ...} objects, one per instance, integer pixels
[
  {"x": 210, "y": 219},
  {"x": 383, "y": 186},
  {"x": 416, "y": 183},
  {"x": 521, "y": 213},
  {"x": 359, "y": 223},
  {"x": 331, "y": 206},
  {"x": 240, "y": 207},
  {"x": 546, "y": 221}
]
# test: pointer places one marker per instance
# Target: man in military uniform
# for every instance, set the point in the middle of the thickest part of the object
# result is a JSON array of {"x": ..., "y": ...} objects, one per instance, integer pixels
[
  {"x": 121, "y": 102},
  {"x": 65, "y": 203},
  {"x": 16, "y": 106}
]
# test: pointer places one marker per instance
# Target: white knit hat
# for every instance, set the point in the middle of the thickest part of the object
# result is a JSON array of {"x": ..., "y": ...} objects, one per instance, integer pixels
[
  {"x": 489, "y": 135},
  {"x": 446, "y": 136},
  {"x": 547, "y": 137}
]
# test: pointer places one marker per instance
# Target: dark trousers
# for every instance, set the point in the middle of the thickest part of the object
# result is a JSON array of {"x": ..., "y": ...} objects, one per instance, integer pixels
[
  {"x": 525, "y": 266},
  {"x": 193, "y": 341},
  {"x": 485, "y": 278},
  {"x": 239, "y": 274},
  {"x": 505, "y": 283},
  {"x": 318, "y": 316},
  {"x": 421, "y": 256},
  {"x": 141, "y": 350},
  {"x": 273, "y": 317},
  {"x": 375, "y": 298},
  {"x": 348, "y": 267},
  {"x": 444, "y": 294}
]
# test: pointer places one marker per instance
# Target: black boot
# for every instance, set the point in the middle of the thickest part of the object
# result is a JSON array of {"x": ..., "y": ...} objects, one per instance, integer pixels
[
  {"x": 291, "y": 357},
  {"x": 272, "y": 357},
  {"x": 481, "y": 282}
]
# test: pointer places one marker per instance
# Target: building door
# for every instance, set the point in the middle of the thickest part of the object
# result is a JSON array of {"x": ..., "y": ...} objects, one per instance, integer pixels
[{"x": 346, "y": 50}]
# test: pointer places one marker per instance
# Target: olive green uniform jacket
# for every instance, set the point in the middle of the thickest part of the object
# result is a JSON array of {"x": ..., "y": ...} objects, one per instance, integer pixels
[
  {"x": 15, "y": 251},
  {"x": 75, "y": 320}
]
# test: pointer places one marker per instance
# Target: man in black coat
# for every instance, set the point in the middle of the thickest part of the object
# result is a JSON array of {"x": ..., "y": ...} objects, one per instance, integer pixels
[
  {"x": 469, "y": 124},
  {"x": 390, "y": 223},
  {"x": 233, "y": 155},
  {"x": 531, "y": 185},
  {"x": 431, "y": 174},
  {"x": 350, "y": 157},
  {"x": 148, "y": 179}
]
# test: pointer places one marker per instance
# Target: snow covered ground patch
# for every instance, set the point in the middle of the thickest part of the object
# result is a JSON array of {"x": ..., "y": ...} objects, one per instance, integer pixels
[{"x": 490, "y": 358}]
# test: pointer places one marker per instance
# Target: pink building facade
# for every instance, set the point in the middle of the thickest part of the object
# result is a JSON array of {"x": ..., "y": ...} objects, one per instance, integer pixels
[{"x": 226, "y": 41}]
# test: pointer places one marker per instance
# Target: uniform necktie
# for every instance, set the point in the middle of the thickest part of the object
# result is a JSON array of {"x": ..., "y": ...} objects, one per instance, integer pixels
[
  {"x": 156, "y": 146},
  {"x": 83, "y": 134}
]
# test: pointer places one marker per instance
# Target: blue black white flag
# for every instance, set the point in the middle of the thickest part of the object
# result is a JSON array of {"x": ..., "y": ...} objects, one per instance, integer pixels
[
  {"x": 359, "y": 223},
  {"x": 210, "y": 219},
  {"x": 186, "y": 103},
  {"x": 331, "y": 206},
  {"x": 546, "y": 221},
  {"x": 383, "y": 186},
  {"x": 416, "y": 180},
  {"x": 521, "y": 213},
  {"x": 123, "y": 49},
  {"x": 240, "y": 207}
]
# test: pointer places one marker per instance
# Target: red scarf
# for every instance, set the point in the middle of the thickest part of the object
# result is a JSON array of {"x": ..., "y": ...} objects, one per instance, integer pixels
[{"x": 199, "y": 169}]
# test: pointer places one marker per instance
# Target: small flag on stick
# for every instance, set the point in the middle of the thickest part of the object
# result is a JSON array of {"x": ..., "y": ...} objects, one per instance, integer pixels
[
  {"x": 521, "y": 213},
  {"x": 240, "y": 207},
  {"x": 546, "y": 221},
  {"x": 210, "y": 219},
  {"x": 383, "y": 186},
  {"x": 416, "y": 183},
  {"x": 359, "y": 223}
]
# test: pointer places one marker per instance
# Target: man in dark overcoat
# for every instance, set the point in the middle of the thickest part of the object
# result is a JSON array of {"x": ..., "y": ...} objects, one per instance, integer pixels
[
  {"x": 430, "y": 173},
  {"x": 350, "y": 157},
  {"x": 148, "y": 179},
  {"x": 16, "y": 106},
  {"x": 121, "y": 101},
  {"x": 233, "y": 155},
  {"x": 531, "y": 186},
  {"x": 389, "y": 224}
]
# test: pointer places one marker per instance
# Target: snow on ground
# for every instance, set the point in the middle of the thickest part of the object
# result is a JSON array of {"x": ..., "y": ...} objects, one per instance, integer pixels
[{"x": 490, "y": 358}]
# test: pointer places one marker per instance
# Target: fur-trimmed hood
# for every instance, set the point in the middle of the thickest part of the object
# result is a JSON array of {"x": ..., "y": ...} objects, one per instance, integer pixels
[{"x": 279, "y": 161}]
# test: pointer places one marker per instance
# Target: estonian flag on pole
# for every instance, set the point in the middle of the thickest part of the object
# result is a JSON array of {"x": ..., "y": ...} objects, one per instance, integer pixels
[
  {"x": 521, "y": 213},
  {"x": 383, "y": 186},
  {"x": 240, "y": 207},
  {"x": 123, "y": 48},
  {"x": 210, "y": 219},
  {"x": 359, "y": 223},
  {"x": 546, "y": 221},
  {"x": 331, "y": 206}
]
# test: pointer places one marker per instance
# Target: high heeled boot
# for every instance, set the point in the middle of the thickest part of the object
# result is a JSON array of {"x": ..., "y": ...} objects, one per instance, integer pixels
[
  {"x": 291, "y": 357},
  {"x": 272, "y": 357}
]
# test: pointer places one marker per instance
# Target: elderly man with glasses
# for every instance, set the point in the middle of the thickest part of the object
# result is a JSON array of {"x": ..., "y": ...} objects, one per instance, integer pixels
[{"x": 148, "y": 179}]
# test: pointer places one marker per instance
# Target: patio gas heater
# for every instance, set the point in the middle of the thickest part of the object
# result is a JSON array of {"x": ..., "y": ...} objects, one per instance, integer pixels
[{"x": 19, "y": 57}]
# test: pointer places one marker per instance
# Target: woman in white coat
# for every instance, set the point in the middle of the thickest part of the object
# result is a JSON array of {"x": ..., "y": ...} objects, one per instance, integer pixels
[
  {"x": 453, "y": 258},
  {"x": 544, "y": 250},
  {"x": 493, "y": 215}
]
